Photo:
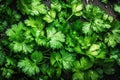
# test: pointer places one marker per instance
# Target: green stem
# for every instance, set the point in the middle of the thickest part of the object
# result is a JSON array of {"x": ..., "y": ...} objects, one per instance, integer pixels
[
  {"x": 46, "y": 50},
  {"x": 46, "y": 57},
  {"x": 69, "y": 17}
]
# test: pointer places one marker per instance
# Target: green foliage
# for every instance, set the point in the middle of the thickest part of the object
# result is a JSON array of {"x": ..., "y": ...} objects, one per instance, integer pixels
[
  {"x": 89, "y": 75},
  {"x": 31, "y": 7},
  {"x": 83, "y": 64},
  {"x": 7, "y": 73},
  {"x": 62, "y": 59},
  {"x": 105, "y": 1},
  {"x": 76, "y": 8},
  {"x": 116, "y": 8},
  {"x": 50, "y": 16},
  {"x": 98, "y": 50},
  {"x": 37, "y": 56},
  {"x": 2, "y": 57},
  {"x": 15, "y": 33},
  {"x": 115, "y": 55},
  {"x": 56, "y": 6},
  {"x": 112, "y": 37},
  {"x": 78, "y": 76},
  {"x": 28, "y": 67},
  {"x": 57, "y": 40}
]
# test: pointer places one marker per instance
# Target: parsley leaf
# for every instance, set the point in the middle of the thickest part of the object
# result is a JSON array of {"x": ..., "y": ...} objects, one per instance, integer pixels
[
  {"x": 31, "y": 7},
  {"x": 55, "y": 38},
  {"x": 112, "y": 37},
  {"x": 50, "y": 16},
  {"x": 28, "y": 67}
]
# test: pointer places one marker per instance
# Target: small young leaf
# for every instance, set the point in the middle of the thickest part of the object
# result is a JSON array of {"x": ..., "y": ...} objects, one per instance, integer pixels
[
  {"x": 76, "y": 9},
  {"x": 50, "y": 16},
  {"x": 37, "y": 56}
]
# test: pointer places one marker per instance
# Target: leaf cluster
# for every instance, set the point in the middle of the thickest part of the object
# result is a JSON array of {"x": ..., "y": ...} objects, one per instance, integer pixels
[{"x": 58, "y": 39}]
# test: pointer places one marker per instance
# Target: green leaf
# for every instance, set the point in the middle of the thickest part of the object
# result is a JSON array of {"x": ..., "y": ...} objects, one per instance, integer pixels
[
  {"x": 37, "y": 56},
  {"x": 43, "y": 68},
  {"x": 16, "y": 32},
  {"x": 91, "y": 12},
  {"x": 63, "y": 58},
  {"x": 2, "y": 58},
  {"x": 55, "y": 38},
  {"x": 91, "y": 75},
  {"x": 117, "y": 8},
  {"x": 78, "y": 50},
  {"x": 35, "y": 22},
  {"x": 55, "y": 59},
  {"x": 105, "y": 1},
  {"x": 76, "y": 9},
  {"x": 110, "y": 18},
  {"x": 7, "y": 73},
  {"x": 78, "y": 76},
  {"x": 86, "y": 41},
  {"x": 32, "y": 7},
  {"x": 87, "y": 28},
  {"x": 85, "y": 63},
  {"x": 40, "y": 37},
  {"x": 28, "y": 67},
  {"x": 58, "y": 72},
  {"x": 56, "y": 6},
  {"x": 67, "y": 59},
  {"x": 17, "y": 47},
  {"x": 50, "y": 17},
  {"x": 98, "y": 50},
  {"x": 109, "y": 70},
  {"x": 41, "y": 41},
  {"x": 10, "y": 62},
  {"x": 21, "y": 47},
  {"x": 112, "y": 38},
  {"x": 93, "y": 49},
  {"x": 99, "y": 25}
]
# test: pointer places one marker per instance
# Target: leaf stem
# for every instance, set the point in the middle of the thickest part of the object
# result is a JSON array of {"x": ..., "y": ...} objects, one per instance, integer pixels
[
  {"x": 46, "y": 57},
  {"x": 46, "y": 50},
  {"x": 69, "y": 17}
]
